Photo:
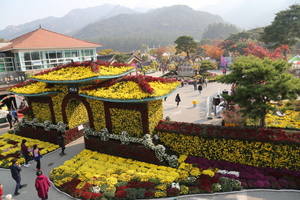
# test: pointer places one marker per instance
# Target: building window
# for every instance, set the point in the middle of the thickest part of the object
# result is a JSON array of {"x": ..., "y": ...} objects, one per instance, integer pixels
[
  {"x": 68, "y": 53},
  {"x": 51, "y": 54},
  {"x": 27, "y": 56},
  {"x": 74, "y": 53},
  {"x": 59, "y": 54},
  {"x": 35, "y": 55}
]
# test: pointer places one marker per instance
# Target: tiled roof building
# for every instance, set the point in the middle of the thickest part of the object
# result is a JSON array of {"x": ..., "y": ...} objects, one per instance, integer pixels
[{"x": 38, "y": 50}]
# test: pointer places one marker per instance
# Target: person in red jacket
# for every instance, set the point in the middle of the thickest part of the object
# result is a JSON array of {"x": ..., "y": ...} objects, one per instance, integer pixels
[
  {"x": 1, "y": 191},
  {"x": 42, "y": 185}
]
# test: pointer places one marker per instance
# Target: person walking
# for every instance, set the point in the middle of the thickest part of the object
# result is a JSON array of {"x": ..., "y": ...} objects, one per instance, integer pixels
[
  {"x": 15, "y": 170},
  {"x": 177, "y": 99},
  {"x": 205, "y": 82},
  {"x": 9, "y": 118},
  {"x": 15, "y": 116},
  {"x": 37, "y": 157},
  {"x": 42, "y": 185},
  {"x": 195, "y": 84},
  {"x": 200, "y": 88},
  {"x": 25, "y": 153},
  {"x": 61, "y": 142}
]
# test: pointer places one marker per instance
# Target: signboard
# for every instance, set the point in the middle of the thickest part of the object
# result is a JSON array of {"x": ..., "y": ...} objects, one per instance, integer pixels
[
  {"x": 73, "y": 89},
  {"x": 12, "y": 78}
]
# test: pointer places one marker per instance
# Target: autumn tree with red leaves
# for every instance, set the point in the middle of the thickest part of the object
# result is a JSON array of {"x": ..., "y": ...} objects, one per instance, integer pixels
[
  {"x": 213, "y": 51},
  {"x": 263, "y": 53}
]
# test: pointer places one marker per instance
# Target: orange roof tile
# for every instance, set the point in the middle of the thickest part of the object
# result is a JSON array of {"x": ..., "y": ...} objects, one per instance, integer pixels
[{"x": 42, "y": 38}]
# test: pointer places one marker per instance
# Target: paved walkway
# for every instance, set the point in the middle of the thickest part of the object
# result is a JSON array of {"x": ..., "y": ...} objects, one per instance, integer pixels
[{"x": 185, "y": 112}]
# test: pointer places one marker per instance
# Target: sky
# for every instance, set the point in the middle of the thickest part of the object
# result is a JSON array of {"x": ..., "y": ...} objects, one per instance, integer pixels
[{"x": 17, "y": 12}]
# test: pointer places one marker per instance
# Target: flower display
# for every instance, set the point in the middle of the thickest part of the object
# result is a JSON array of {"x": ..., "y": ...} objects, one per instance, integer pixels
[
  {"x": 76, "y": 113},
  {"x": 10, "y": 147},
  {"x": 42, "y": 111},
  {"x": 126, "y": 120},
  {"x": 98, "y": 113},
  {"x": 33, "y": 88},
  {"x": 57, "y": 99},
  {"x": 120, "y": 177},
  {"x": 260, "y": 154},
  {"x": 155, "y": 114},
  {"x": 289, "y": 120},
  {"x": 84, "y": 70},
  {"x": 251, "y": 177},
  {"x": 238, "y": 133},
  {"x": 132, "y": 87}
]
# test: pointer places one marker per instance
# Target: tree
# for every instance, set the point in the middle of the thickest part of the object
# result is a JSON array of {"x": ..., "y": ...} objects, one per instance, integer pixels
[
  {"x": 207, "y": 65},
  {"x": 258, "y": 51},
  {"x": 121, "y": 58},
  {"x": 214, "y": 51},
  {"x": 257, "y": 82},
  {"x": 159, "y": 52},
  {"x": 144, "y": 48},
  {"x": 185, "y": 44},
  {"x": 219, "y": 30},
  {"x": 284, "y": 30}
]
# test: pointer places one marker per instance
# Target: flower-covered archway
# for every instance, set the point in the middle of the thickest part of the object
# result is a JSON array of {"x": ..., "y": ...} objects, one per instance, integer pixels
[{"x": 76, "y": 110}]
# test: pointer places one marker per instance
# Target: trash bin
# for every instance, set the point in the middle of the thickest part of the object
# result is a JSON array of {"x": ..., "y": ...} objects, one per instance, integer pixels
[
  {"x": 216, "y": 101},
  {"x": 195, "y": 102},
  {"x": 225, "y": 92}
]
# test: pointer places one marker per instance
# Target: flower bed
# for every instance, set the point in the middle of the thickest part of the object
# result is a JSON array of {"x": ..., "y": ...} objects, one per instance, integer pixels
[
  {"x": 254, "y": 153},
  {"x": 239, "y": 133},
  {"x": 91, "y": 175},
  {"x": 252, "y": 177},
  {"x": 10, "y": 147}
]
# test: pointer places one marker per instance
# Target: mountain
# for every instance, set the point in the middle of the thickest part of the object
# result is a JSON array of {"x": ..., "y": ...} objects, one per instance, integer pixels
[
  {"x": 248, "y": 14},
  {"x": 69, "y": 23},
  {"x": 12, "y": 31},
  {"x": 159, "y": 27}
]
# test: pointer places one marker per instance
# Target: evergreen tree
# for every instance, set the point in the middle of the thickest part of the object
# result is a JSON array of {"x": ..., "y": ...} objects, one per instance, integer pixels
[
  {"x": 259, "y": 81},
  {"x": 186, "y": 44},
  {"x": 285, "y": 29}
]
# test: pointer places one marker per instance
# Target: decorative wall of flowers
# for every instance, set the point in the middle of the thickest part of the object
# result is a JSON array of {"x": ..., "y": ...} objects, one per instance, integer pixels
[
  {"x": 98, "y": 111},
  {"x": 260, "y": 154},
  {"x": 41, "y": 111},
  {"x": 126, "y": 120},
  {"x": 76, "y": 113},
  {"x": 155, "y": 114}
]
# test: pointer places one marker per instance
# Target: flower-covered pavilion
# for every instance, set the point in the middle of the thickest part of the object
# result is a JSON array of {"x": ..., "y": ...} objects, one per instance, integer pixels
[{"x": 97, "y": 93}]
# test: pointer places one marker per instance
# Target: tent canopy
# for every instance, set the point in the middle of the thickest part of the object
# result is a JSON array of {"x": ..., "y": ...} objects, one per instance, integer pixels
[{"x": 295, "y": 59}]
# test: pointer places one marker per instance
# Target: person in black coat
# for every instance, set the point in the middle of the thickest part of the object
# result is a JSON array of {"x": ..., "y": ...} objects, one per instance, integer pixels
[
  {"x": 15, "y": 170},
  {"x": 200, "y": 88},
  {"x": 61, "y": 142},
  {"x": 9, "y": 118},
  {"x": 177, "y": 99}
]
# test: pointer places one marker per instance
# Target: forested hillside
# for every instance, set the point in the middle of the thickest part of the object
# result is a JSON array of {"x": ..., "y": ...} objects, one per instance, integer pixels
[{"x": 159, "y": 27}]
